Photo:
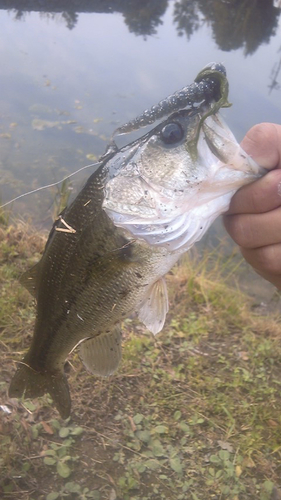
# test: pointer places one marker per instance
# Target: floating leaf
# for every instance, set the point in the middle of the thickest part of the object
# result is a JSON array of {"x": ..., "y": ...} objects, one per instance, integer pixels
[
  {"x": 92, "y": 157},
  {"x": 79, "y": 129},
  {"x": 63, "y": 469}
]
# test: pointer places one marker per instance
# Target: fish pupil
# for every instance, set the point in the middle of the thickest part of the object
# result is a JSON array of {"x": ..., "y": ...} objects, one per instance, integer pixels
[{"x": 172, "y": 133}]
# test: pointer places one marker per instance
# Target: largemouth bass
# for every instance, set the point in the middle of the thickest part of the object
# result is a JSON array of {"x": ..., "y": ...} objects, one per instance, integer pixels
[{"x": 108, "y": 252}]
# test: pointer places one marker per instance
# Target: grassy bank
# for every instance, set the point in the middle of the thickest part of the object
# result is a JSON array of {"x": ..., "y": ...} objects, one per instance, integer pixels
[{"x": 193, "y": 414}]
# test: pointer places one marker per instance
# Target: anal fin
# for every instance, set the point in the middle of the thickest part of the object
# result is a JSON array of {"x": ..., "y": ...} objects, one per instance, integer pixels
[
  {"x": 155, "y": 307},
  {"x": 102, "y": 354}
]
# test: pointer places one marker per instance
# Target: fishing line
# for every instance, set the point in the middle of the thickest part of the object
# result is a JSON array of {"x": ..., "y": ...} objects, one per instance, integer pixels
[{"x": 50, "y": 185}]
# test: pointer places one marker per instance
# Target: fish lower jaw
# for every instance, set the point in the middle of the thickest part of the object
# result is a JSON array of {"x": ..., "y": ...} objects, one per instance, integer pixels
[{"x": 243, "y": 163}]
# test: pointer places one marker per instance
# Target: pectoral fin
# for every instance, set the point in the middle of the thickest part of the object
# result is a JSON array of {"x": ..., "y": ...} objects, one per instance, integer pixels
[
  {"x": 102, "y": 354},
  {"x": 155, "y": 307}
]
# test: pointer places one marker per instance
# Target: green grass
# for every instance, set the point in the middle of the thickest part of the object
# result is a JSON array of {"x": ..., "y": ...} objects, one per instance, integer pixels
[{"x": 194, "y": 413}]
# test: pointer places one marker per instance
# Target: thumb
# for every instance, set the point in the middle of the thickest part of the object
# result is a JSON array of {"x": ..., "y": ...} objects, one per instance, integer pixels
[{"x": 263, "y": 143}]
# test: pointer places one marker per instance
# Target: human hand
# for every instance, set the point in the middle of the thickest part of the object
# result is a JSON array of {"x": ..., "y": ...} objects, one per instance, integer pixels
[{"x": 254, "y": 216}]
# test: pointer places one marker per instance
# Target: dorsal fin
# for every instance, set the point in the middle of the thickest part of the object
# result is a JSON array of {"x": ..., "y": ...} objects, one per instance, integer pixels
[
  {"x": 29, "y": 279},
  {"x": 155, "y": 307},
  {"x": 102, "y": 354}
]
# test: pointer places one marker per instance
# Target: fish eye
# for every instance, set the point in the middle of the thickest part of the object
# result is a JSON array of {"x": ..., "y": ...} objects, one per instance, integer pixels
[{"x": 171, "y": 133}]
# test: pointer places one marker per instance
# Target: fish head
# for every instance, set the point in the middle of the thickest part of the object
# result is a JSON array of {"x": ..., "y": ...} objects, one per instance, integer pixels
[{"x": 170, "y": 185}]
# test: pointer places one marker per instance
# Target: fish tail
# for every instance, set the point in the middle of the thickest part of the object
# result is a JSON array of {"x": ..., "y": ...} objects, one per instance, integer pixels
[{"x": 31, "y": 384}]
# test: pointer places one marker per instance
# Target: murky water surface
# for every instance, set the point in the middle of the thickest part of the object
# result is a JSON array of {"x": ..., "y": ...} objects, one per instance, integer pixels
[{"x": 72, "y": 71}]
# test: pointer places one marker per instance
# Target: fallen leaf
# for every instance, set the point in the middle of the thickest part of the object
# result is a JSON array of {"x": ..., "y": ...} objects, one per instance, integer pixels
[
  {"x": 112, "y": 495},
  {"x": 272, "y": 423},
  {"x": 248, "y": 462},
  {"x": 47, "y": 428},
  {"x": 238, "y": 470},
  {"x": 132, "y": 423},
  {"x": 225, "y": 446},
  {"x": 243, "y": 355}
]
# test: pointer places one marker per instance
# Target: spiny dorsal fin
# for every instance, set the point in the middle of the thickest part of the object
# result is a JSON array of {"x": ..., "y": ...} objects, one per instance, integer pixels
[
  {"x": 29, "y": 279},
  {"x": 155, "y": 307},
  {"x": 102, "y": 354}
]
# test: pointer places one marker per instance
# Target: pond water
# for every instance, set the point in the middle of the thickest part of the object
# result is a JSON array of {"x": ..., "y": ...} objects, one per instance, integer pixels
[{"x": 72, "y": 71}]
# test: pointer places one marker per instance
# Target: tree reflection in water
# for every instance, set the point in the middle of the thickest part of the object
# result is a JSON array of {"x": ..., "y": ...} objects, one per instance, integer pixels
[{"x": 235, "y": 23}]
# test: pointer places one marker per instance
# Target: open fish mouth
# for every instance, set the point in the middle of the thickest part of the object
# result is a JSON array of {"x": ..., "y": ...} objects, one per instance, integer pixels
[{"x": 172, "y": 195}]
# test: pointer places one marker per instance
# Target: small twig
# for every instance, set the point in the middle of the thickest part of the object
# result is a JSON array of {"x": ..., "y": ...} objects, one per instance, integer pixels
[{"x": 67, "y": 229}]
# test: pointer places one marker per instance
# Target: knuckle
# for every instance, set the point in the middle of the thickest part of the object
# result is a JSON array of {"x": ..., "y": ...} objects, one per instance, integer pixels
[
  {"x": 237, "y": 227},
  {"x": 267, "y": 259}
]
